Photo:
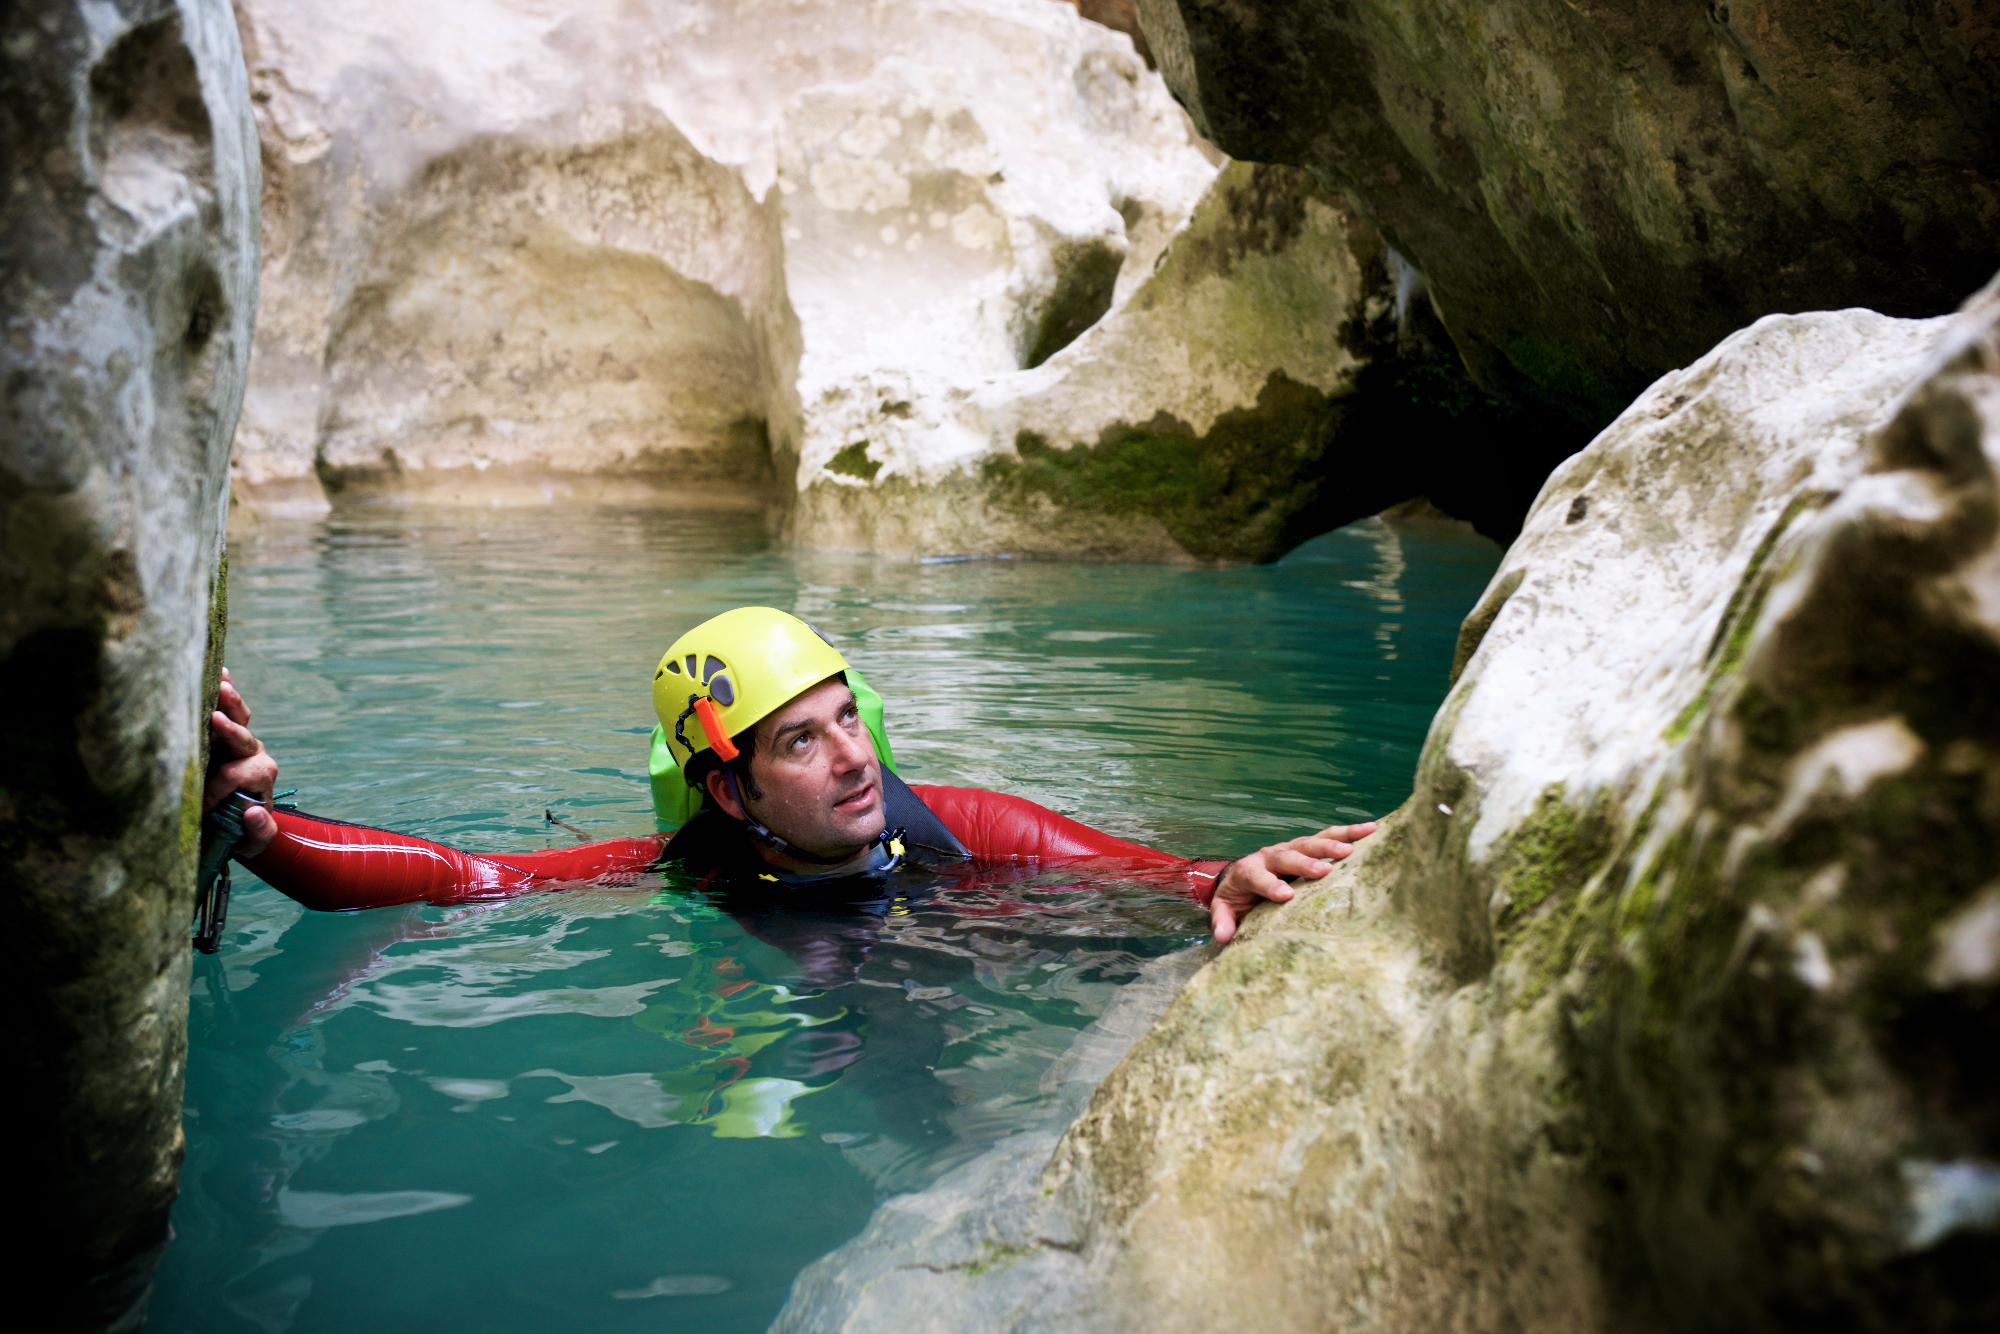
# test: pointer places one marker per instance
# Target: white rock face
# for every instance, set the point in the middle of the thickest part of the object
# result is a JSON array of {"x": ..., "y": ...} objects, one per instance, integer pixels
[
  {"x": 1607, "y": 598},
  {"x": 1667, "y": 999},
  {"x": 965, "y": 210},
  {"x": 1252, "y": 313},
  {"x": 488, "y": 247},
  {"x": 128, "y": 278},
  {"x": 521, "y": 250}
]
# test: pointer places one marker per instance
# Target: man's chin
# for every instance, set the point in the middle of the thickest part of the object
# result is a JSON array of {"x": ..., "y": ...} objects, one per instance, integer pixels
[
  {"x": 867, "y": 831},
  {"x": 858, "y": 832}
]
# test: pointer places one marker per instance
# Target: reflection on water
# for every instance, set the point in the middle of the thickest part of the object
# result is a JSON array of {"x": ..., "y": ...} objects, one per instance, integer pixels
[
  {"x": 1384, "y": 585},
  {"x": 650, "y": 1107}
]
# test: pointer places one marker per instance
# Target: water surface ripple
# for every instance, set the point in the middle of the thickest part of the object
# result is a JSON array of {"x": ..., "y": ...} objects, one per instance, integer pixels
[{"x": 647, "y": 1108}]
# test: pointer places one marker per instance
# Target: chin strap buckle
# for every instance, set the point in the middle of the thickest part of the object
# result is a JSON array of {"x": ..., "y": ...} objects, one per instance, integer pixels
[{"x": 892, "y": 839}]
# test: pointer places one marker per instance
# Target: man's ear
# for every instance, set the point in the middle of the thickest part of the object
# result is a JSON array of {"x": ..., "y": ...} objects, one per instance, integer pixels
[{"x": 719, "y": 793}]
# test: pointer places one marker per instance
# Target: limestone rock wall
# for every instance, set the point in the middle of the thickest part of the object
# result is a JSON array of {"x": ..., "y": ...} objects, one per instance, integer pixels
[
  {"x": 957, "y": 217},
  {"x": 128, "y": 281},
  {"x": 496, "y": 267},
  {"x": 1599, "y": 192},
  {"x": 918, "y": 277},
  {"x": 671, "y": 247},
  {"x": 1668, "y": 1000}
]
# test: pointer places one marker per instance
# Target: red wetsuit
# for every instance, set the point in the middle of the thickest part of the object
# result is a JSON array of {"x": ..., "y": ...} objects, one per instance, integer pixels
[{"x": 333, "y": 866}]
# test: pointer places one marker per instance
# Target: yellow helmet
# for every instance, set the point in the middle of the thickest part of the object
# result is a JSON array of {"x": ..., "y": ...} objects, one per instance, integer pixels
[{"x": 733, "y": 670}]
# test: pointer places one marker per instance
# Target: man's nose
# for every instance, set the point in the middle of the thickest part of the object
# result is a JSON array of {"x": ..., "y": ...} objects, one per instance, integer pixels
[{"x": 855, "y": 750}]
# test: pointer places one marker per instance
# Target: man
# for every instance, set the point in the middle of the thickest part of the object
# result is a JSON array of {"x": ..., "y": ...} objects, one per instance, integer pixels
[
  {"x": 771, "y": 761},
  {"x": 795, "y": 780}
]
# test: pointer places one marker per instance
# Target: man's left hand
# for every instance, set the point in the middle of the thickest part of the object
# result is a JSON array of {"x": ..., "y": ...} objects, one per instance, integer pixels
[
  {"x": 238, "y": 762},
  {"x": 1248, "y": 880}
]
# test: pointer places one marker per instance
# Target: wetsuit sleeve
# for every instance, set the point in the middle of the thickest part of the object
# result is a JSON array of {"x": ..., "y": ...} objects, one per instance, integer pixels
[
  {"x": 709, "y": 841},
  {"x": 1202, "y": 878},
  {"x": 998, "y": 827},
  {"x": 331, "y": 866}
]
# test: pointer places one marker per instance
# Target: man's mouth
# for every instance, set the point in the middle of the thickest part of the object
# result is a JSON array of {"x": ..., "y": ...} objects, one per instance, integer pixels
[{"x": 856, "y": 801}]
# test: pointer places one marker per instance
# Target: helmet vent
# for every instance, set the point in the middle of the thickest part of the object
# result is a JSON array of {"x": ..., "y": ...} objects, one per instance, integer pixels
[
  {"x": 709, "y": 667},
  {"x": 690, "y": 664},
  {"x": 673, "y": 667}
]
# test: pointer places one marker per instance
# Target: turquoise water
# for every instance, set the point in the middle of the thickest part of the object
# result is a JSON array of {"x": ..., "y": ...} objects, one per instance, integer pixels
[{"x": 642, "y": 1108}]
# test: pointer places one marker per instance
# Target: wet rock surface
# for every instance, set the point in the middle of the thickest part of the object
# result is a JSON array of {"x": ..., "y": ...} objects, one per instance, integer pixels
[
  {"x": 128, "y": 282},
  {"x": 988, "y": 1221},
  {"x": 1599, "y": 193},
  {"x": 961, "y": 218},
  {"x": 1667, "y": 1001}
]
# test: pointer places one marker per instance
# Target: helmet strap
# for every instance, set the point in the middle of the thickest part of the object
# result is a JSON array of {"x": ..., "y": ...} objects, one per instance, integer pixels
[{"x": 762, "y": 833}]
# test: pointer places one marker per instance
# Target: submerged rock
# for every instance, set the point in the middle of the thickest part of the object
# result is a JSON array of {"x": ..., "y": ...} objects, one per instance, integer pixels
[
  {"x": 1668, "y": 1000},
  {"x": 989, "y": 1215},
  {"x": 128, "y": 280}
]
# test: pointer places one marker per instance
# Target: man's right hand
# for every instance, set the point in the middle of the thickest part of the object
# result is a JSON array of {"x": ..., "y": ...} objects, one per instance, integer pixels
[
  {"x": 238, "y": 762},
  {"x": 1249, "y": 880}
]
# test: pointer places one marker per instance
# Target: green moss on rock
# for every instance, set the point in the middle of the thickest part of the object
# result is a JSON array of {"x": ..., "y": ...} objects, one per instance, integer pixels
[
  {"x": 194, "y": 780},
  {"x": 853, "y": 461},
  {"x": 1245, "y": 490}
]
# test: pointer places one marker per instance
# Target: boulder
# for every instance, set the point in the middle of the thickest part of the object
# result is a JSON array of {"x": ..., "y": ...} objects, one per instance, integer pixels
[
  {"x": 1120, "y": 16},
  {"x": 955, "y": 219},
  {"x": 1205, "y": 416},
  {"x": 1668, "y": 1000},
  {"x": 128, "y": 281},
  {"x": 1599, "y": 192}
]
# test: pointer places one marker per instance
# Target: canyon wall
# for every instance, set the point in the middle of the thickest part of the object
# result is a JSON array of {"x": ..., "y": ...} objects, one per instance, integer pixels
[
  {"x": 128, "y": 282},
  {"x": 848, "y": 264},
  {"x": 1203, "y": 417},
  {"x": 495, "y": 267},
  {"x": 1668, "y": 999},
  {"x": 664, "y": 249},
  {"x": 919, "y": 279}
]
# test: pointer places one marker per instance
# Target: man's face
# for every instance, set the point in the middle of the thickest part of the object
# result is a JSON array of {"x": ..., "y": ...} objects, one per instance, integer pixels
[{"x": 816, "y": 764}]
